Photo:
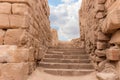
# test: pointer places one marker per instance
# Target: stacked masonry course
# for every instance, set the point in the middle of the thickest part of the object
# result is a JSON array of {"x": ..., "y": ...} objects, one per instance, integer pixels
[
  {"x": 100, "y": 30},
  {"x": 25, "y": 36}
]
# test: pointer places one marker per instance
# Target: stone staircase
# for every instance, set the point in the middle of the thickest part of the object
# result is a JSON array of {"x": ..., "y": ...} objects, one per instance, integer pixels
[{"x": 66, "y": 62}]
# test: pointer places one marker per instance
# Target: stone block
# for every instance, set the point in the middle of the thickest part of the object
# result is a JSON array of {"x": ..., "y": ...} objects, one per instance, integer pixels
[
  {"x": 111, "y": 5},
  {"x": 100, "y": 53},
  {"x": 4, "y": 21},
  {"x": 15, "y": 37},
  {"x": 2, "y": 34},
  {"x": 101, "y": 45},
  {"x": 102, "y": 37},
  {"x": 100, "y": 15},
  {"x": 112, "y": 22},
  {"x": 107, "y": 76},
  {"x": 14, "y": 71},
  {"x": 100, "y": 7},
  {"x": 101, "y": 65},
  {"x": 115, "y": 39},
  {"x": 113, "y": 54},
  {"x": 5, "y": 8},
  {"x": 18, "y": 21},
  {"x": 20, "y": 9},
  {"x": 98, "y": 59},
  {"x": 12, "y": 54}
]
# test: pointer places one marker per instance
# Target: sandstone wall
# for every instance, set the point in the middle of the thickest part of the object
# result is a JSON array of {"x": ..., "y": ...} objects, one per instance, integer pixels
[
  {"x": 100, "y": 24},
  {"x": 25, "y": 36},
  {"x": 77, "y": 43},
  {"x": 54, "y": 38}
]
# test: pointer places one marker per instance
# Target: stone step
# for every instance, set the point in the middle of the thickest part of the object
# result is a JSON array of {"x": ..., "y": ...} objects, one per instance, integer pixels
[
  {"x": 66, "y": 56},
  {"x": 68, "y": 50},
  {"x": 75, "y": 53},
  {"x": 67, "y": 53},
  {"x": 69, "y": 72},
  {"x": 82, "y": 52},
  {"x": 65, "y": 66},
  {"x": 54, "y": 60}
]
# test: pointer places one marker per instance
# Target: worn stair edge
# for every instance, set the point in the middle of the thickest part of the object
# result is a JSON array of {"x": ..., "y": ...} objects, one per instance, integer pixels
[
  {"x": 67, "y": 53},
  {"x": 57, "y": 54},
  {"x": 66, "y": 60},
  {"x": 66, "y": 49},
  {"x": 67, "y": 56},
  {"x": 69, "y": 72},
  {"x": 66, "y": 66}
]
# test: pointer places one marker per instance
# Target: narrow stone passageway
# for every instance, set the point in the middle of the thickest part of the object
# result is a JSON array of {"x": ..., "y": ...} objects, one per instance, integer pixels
[{"x": 31, "y": 50}]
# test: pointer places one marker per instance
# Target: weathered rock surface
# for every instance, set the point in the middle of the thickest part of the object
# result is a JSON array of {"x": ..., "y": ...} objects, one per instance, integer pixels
[
  {"x": 100, "y": 24},
  {"x": 25, "y": 35},
  {"x": 77, "y": 43},
  {"x": 113, "y": 54},
  {"x": 115, "y": 39},
  {"x": 54, "y": 37},
  {"x": 109, "y": 73},
  {"x": 107, "y": 76},
  {"x": 112, "y": 21}
]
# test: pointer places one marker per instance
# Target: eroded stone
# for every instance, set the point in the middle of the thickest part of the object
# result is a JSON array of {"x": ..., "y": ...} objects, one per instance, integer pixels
[{"x": 115, "y": 39}]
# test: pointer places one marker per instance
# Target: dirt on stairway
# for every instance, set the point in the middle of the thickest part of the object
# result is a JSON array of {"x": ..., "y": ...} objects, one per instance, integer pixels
[{"x": 38, "y": 74}]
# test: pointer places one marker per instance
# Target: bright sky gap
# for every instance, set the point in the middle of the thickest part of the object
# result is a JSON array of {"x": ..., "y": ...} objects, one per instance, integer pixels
[{"x": 64, "y": 18}]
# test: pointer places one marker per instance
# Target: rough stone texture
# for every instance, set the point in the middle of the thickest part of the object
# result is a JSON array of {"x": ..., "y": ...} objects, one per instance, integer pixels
[
  {"x": 5, "y": 8},
  {"x": 102, "y": 37},
  {"x": 115, "y": 38},
  {"x": 54, "y": 37},
  {"x": 100, "y": 53},
  {"x": 25, "y": 36},
  {"x": 101, "y": 45},
  {"x": 13, "y": 54},
  {"x": 112, "y": 22},
  {"x": 107, "y": 76},
  {"x": 4, "y": 21},
  {"x": 18, "y": 21},
  {"x": 100, "y": 24},
  {"x": 18, "y": 8},
  {"x": 113, "y": 53},
  {"x": 77, "y": 43},
  {"x": 108, "y": 73},
  {"x": 14, "y": 71},
  {"x": 13, "y": 36},
  {"x": 2, "y": 34}
]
